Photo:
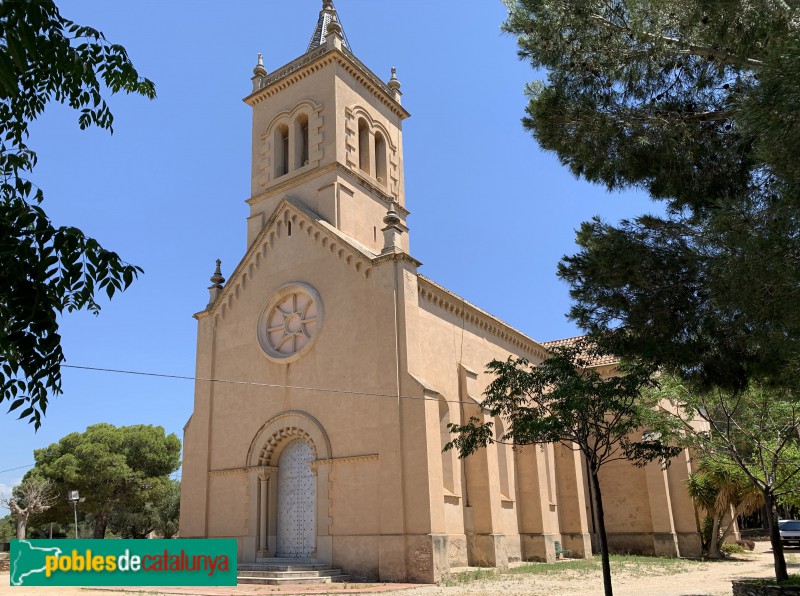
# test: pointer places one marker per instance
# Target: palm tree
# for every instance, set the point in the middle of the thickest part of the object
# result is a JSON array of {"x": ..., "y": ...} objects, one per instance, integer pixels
[{"x": 723, "y": 493}]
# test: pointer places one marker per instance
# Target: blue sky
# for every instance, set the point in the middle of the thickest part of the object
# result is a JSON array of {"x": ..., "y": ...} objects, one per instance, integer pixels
[{"x": 491, "y": 214}]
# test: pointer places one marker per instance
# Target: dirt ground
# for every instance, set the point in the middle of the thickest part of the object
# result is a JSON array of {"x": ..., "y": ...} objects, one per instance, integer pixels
[
  {"x": 689, "y": 578},
  {"x": 679, "y": 578}
]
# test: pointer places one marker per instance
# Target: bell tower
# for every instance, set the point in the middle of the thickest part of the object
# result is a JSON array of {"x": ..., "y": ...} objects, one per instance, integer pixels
[{"x": 327, "y": 132}]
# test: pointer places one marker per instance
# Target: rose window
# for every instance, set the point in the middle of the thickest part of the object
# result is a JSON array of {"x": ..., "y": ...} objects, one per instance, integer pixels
[{"x": 290, "y": 322}]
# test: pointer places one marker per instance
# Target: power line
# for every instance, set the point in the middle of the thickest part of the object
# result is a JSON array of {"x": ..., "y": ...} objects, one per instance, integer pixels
[
  {"x": 19, "y": 468},
  {"x": 256, "y": 384}
]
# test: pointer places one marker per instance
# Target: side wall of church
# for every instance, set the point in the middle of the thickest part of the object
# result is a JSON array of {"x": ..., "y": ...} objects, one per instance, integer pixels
[
  {"x": 497, "y": 505},
  {"x": 501, "y": 504}
]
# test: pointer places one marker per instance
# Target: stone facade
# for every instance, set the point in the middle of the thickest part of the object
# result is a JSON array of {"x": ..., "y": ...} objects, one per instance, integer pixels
[{"x": 349, "y": 365}]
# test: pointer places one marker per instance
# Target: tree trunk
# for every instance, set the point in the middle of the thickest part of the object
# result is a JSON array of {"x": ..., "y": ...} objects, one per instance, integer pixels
[
  {"x": 781, "y": 574},
  {"x": 100, "y": 523},
  {"x": 714, "y": 541},
  {"x": 601, "y": 532},
  {"x": 22, "y": 518},
  {"x": 22, "y": 522}
]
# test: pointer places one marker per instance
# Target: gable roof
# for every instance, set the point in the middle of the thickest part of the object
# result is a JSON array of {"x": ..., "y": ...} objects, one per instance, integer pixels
[{"x": 603, "y": 360}]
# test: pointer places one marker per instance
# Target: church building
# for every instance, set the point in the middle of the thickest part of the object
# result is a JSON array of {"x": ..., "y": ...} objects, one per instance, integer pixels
[{"x": 340, "y": 367}]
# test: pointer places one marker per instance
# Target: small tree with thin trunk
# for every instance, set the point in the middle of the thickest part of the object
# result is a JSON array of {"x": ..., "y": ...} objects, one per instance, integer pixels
[
  {"x": 33, "y": 496},
  {"x": 756, "y": 431},
  {"x": 564, "y": 400}
]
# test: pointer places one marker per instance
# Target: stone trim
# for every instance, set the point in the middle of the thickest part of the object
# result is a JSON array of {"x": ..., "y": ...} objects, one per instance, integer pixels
[
  {"x": 285, "y": 424},
  {"x": 443, "y": 298},
  {"x": 309, "y": 63},
  {"x": 278, "y": 437},
  {"x": 297, "y": 177},
  {"x": 343, "y": 460},
  {"x": 234, "y": 471},
  {"x": 303, "y": 220}
]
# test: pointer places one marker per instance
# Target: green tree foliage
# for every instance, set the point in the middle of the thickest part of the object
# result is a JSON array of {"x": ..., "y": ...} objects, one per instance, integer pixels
[
  {"x": 118, "y": 470},
  {"x": 7, "y": 528},
  {"x": 47, "y": 270},
  {"x": 694, "y": 102},
  {"x": 751, "y": 436},
  {"x": 563, "y": 400},
  {"x": 160, "y": 513},
  {"x": 723, "y": 492}
]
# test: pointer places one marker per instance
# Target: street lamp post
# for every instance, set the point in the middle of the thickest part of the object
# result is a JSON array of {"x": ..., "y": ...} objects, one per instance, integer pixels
[{"x": 73, "y": 496}]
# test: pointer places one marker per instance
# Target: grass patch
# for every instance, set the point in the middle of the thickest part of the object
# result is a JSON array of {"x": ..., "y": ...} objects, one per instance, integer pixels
[
  {"x": 634, "y": 565},
  {"x": 733, "y": 549},
  {"x": 466, "y": 577}
]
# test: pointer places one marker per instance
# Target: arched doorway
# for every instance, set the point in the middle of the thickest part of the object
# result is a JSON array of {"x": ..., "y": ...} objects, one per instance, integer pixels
[{"x": 296, "y": 501}]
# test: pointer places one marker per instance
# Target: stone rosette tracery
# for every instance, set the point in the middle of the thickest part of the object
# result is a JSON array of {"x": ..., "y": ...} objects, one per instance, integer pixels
[{"x": 290, "y": 322}]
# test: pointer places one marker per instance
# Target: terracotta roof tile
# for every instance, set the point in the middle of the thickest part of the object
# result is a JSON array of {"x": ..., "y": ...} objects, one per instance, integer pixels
[{"x": 571, "y": 341}]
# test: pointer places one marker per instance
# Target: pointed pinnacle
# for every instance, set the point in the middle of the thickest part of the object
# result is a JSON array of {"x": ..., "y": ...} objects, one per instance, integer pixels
[{"x": 217, "y": 278}]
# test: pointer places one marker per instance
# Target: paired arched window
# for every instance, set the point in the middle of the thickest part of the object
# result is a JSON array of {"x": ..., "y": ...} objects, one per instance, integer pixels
[
  {"x": 291, "y": 145},
  {"x": 373, "y": 152}
]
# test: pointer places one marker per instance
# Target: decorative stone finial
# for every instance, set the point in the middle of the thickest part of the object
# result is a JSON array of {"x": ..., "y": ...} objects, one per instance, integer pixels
[
  {"x": 394, "y": 86},
  {"x": 393, "y": 83},
  {"x": 259, "y": 72},
  {"x": 392, "y": 232},
  {"x": 391, "y": 218},
  {"x": 334, "y": 28},
  {"x": 327, "y": 5},
  {"x": 216, "y": 284},
  {"x": 217, "y": 278}
]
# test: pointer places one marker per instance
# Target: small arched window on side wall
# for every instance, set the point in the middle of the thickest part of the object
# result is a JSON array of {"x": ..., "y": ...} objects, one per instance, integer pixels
[
  {"x": 280, "y": 148},
  {"x": 363, "y": 145},
  {"x": 300, "y": 141},
  {"x": 380, "y": 159}
]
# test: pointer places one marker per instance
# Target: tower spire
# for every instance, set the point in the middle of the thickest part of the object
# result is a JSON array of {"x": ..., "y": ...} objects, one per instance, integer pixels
[{"x": 326, "y": 16}]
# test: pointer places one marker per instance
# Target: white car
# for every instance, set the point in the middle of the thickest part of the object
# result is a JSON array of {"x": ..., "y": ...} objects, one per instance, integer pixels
[{"x": 790, "y": 532}]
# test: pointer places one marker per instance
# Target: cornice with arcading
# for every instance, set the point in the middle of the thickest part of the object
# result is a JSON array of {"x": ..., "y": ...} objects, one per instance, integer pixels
[
  {"x": 299, "y": 69},
  {"x": 443, "y": 298},
  {"x": 305, "y": 222}
]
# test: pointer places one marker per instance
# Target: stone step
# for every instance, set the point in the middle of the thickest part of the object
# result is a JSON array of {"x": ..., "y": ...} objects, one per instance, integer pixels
[
  {"x": 279, "y": 581},
  {"x": 303, "y": 573},
  {"x": 288, "y": 560},
  {"x": 282, "y": 567}
]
